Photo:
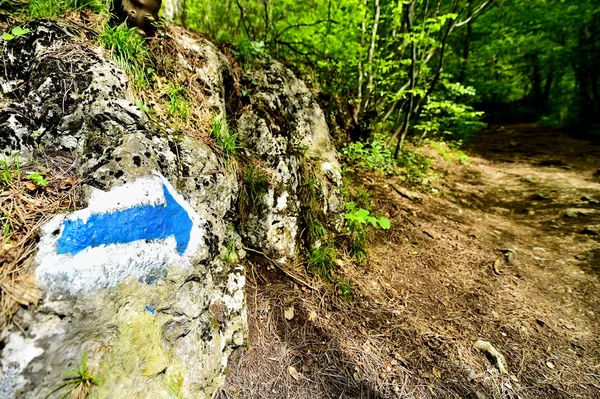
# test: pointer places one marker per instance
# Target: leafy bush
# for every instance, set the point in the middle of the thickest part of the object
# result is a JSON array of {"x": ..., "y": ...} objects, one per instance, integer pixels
[
  {"x": 443, "y": 116},
  {"x": 372, "y": 155},
  {"x": 358, "y": 219},
  {"x": 130, "y": 52}
]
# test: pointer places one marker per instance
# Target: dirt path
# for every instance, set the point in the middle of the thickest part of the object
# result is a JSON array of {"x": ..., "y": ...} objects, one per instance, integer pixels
[{"x": 495, "y": 252}]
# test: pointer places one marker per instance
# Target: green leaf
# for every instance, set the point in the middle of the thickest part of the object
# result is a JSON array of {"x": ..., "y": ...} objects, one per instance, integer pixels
[
  {"x": 7, "y": 36},
  {"x": 18, "y": 31},
  {"x": 384, "y": 223}
]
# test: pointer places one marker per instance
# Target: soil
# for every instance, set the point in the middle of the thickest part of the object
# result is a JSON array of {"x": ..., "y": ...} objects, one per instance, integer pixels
[{"x": 502, "y": 248}]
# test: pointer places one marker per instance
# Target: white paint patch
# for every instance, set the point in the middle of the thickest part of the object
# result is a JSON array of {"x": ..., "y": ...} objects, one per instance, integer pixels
[{"x": 105, "y": 266}]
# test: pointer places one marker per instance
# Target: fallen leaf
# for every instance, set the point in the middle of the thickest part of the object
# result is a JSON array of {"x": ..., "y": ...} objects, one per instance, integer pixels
[
  {"x": 550, "y": 365},
  {"x": 294, "y": 373},
  {"x": 437, "y": 373},
  {"x": 312, "y": 316},
  {"x": 30, "y": 186}
]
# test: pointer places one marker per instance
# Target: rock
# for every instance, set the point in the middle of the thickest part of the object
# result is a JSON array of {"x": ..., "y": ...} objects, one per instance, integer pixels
[
  {"x": 287, "y": 129},
  {"x": 152, "y": 321},
  {"x": 541, "y": 197},
  {"x": 152, "y": 301},
  {"x": 578, "y": 212},
  {"x": 492, "y": 354},
  {"x": 510, "y": 255},
  {"x": 591, "y": 230},
  {"x": 589, "y": 199}
]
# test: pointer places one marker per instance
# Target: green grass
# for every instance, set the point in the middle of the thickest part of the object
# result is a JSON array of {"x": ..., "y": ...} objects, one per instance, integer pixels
[
  {"x": 130, "y": 52},
  {"x": 56, "y": 8},
  {"x": 321, "y": 261},
  {"x": 223, "y": 136},
  {"x": 80, "y": 379},
  {"x": 179, "y": 104}
]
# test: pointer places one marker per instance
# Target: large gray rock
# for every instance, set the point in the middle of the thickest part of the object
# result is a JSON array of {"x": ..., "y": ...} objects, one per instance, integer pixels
[
  {"x": 154, "y": 319},
  {"x": 155, "y": 328},
  {"x": 286, "y": 128}
]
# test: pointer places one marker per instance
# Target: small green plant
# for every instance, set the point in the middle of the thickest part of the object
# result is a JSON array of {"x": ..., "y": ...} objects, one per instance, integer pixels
[
  {"x": 15, "y": 32},
  {"x": 223, "y": 136},
  {"x": 78, "y": 381},
  {"x": 316, "y": 230},
  {"x": 37, "y": 178},
  {"x": 129, "y": 51},
  {"x": 179, "y": 105},
  {"x": 230, "y": 256},
  {"x": 9, "y": 170},
  {"x": 344, "y": 289},
  {"x": 358, "y": 219},
  {"x": 56, "y": 8},
  {"x": 372, "y": 155},
  {"x": 321, "y": 261}
]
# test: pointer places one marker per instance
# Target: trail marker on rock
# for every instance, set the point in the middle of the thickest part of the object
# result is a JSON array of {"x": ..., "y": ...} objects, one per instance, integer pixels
[{"x": 135, "y": 230}]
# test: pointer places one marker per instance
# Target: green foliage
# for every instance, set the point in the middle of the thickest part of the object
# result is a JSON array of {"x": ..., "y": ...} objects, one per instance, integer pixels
[
  {"x": 15, "y": 32},
  {"x": 249, "y": 51},
  {"x": 442, "y": 116},
  {"x": 56, "y": 8},
  {"x": 536, "y": 59},
  {"x": 321, "y": 261},
  {"x": 358, "y": 220},
  {"x": 9, "y": 170},
  {"x": 414, "y": 166},
  {"x": 74, "y": 379},
  {"x": 129, "y": 51},
  {"x": 37, "y": 178},
  {"x": 224, "y": 137},
  {"x": 371, "y": 155}
]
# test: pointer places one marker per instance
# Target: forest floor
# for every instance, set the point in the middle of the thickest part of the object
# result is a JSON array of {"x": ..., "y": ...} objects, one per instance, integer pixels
[{"x": 502, "y": 249}]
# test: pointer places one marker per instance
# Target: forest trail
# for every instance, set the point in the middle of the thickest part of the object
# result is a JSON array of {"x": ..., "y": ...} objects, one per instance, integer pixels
[{"x": 502, "y": 249}]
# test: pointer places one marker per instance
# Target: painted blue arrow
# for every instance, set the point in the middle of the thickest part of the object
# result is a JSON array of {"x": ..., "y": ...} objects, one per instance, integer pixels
[{"x": 143, "y": 222}]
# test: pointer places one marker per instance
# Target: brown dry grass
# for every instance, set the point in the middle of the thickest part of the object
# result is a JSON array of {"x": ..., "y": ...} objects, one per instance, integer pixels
[
  {"x": 24, "y": 207},
  {"x": 430, "y": 290}
]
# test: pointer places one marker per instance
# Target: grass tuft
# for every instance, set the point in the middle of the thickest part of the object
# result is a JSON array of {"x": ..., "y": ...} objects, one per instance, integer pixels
[
  {"x": 56, "y": 8},
  {"x": 224, "y": 137},
  {"x": 321, "y": 261},
  {"x": 130, "y": 52}
]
